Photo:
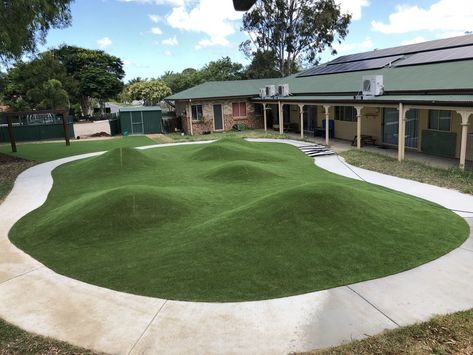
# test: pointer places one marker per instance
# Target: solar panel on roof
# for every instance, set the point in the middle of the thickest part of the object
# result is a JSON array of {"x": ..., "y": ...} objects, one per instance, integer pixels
[
  {"x": 443, "y": 55},
  {"x": 376, "y": 63},
  {"x": 409, "y": 49}
]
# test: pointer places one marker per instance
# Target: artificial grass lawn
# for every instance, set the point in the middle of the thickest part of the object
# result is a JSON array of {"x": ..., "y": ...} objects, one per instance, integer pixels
[
  {"x": 227, "y": 221},
  {"x": 51, "y": 151}
]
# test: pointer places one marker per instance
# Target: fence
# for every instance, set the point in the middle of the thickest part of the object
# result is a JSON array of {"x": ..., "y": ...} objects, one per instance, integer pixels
[{"x": 35, "y": 127}]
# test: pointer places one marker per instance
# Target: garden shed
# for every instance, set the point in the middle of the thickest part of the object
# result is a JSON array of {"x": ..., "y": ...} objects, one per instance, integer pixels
[{"x": 140, "y": 120}]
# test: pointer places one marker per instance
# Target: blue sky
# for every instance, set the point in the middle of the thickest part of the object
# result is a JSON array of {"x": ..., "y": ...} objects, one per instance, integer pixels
[{"x": 153, "y": 36}]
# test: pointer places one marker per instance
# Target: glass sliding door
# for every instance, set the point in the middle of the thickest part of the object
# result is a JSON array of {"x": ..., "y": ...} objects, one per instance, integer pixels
[
  {"x": 310, "y": 117},
  {"x": 391, "y": 127}
]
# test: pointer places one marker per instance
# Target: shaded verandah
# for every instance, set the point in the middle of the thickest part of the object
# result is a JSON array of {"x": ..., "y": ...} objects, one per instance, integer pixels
[{"x": 360, "y": 106}]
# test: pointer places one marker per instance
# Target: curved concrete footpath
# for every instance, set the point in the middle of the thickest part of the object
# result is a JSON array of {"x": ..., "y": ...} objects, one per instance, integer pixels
[{"x": 39, "y": 300}]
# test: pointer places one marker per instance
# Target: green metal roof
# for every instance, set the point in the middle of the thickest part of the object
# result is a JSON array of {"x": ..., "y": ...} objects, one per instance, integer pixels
[
  {"x": 140, "y": 108},
  {"x": 221, "y": 89},
  {"x": 439, "y": 76},
  {"x": 420, "y": 78}
]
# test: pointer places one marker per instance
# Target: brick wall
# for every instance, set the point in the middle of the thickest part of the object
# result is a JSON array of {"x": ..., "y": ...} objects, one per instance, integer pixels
[{"x": 207, "y": 124}]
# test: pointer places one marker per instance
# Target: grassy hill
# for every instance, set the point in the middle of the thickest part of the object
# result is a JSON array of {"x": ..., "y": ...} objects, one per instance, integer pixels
[{"x": 228, "y": 221}]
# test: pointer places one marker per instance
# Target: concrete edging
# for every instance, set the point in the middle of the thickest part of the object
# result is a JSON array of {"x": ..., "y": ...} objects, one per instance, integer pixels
[{"x": 39, "y": 300}]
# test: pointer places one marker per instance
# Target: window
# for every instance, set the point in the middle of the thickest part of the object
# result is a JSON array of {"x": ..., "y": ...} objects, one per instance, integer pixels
[
  {"x": 440, "y": 120},
  {"x": 197, "y": 112},
  {"x": 239, "y": 109},
  {"x": 258, "y": 110},
  {"x": 345, "y": 113}
]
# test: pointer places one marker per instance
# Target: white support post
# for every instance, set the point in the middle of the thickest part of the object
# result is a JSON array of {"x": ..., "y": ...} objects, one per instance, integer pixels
[
  {"x": 465, "y": 115},
  {"x": 301, "y": 113},
  {"x": 281, "y": 121},
  {"x": 265, "y": 118},
  {"x": 189, "y": 114},
  {"x": 327, "y": 125},
  {"x": 358, "y": 126},
  {"x": 401, "y": 133}
]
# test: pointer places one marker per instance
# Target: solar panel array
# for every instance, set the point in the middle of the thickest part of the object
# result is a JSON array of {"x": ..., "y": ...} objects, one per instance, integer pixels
[
  {"x": 409, "y": 49},
  {"x": 443, "y": 55},
  {"x": 376, "y": 63},
  {"x": 442, "y": 50}
]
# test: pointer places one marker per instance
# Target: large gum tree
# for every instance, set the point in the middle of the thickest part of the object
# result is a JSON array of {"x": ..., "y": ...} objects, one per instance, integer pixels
[{"x": 294, "y": 31}]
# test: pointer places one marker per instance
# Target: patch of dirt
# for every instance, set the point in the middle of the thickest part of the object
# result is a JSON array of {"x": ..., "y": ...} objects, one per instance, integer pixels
[{"x": 10, "y": 168}]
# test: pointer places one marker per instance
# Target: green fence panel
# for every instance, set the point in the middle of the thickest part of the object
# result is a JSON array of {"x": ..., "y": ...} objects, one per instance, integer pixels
[
  {"x": 36, "y": 132},
  {"x": 439, "y": 143},
  {"x": 125, "y": 122},
  {"x": 115, "y": 127}
]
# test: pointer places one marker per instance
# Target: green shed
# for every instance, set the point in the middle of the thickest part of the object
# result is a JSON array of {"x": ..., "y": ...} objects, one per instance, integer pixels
[{"x": 140, "y": 120}]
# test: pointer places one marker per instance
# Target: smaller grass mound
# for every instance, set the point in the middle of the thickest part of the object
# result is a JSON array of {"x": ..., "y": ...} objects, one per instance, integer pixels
[
  {"x": 239, "y": 172},
  {"x": 119, "y": 160},
  {"x": 122, "y": 213},
  {"x": 231, "y": 150}
]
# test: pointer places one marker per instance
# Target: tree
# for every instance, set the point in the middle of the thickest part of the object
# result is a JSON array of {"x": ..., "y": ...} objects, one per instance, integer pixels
[
  {"x": 223, "y": 69},
  {"x": 25, "y": 80},
  {"x": 150, "y": 91},
  {"x": 51, "y": 96},
  {"x": 294, "y": 30},
  {"x": 264, "y": 65},
  {"x": 25, "y": 23},
  {"x": 181, "y": 81},
  {"x": 97, "y": 73}
]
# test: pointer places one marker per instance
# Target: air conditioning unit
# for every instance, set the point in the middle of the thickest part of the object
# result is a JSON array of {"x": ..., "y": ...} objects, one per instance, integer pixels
[
  {"x": 283, "y": 90},
  {"x": 270, "y": 90},
  {"x": 262, "y": 92},
  {"x": 372, "y": 85}
]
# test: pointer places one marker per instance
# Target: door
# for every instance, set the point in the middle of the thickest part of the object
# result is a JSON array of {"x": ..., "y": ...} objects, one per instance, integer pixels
[
  {"x": 136, "y": 122},
  {"x": 310, "y": 117},
  {"x": 391, "y": 127},
  {"x": 218, "y": 118}
]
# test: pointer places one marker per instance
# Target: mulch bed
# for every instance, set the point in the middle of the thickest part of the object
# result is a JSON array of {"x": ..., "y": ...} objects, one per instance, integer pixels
[{"x": 10, "y": 168}]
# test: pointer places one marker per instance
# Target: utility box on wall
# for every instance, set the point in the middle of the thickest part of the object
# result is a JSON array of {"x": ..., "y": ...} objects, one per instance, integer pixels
[{"x": 140, "y": 120}]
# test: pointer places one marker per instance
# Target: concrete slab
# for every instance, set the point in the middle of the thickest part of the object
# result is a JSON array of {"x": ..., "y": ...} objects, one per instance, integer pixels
[
  {"x": 448, "y": 198},
  {"x": 277, "y": 326},
  {"x": 442, "y": 286},
  {"x": 92, "y": 317}
]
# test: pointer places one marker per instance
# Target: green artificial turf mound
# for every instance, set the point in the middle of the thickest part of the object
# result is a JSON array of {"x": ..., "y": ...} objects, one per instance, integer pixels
[
  {"x": 239, "y": 172},
  {"x": 228, "y": 221}
]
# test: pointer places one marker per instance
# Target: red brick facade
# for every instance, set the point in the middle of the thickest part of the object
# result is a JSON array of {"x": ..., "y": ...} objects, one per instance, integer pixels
[{"x": 251, "y": 120}]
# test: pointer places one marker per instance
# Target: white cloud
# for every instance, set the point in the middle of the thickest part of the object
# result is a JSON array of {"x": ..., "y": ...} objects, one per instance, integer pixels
[
  {"x": 155, "y": 18},
  {"x": 159, "y": 2},
  {"x": 104, "y": 42},
  {"x": 127, "y": 62},
  {"x": 167, "y": 53},
  {"x": 418, "y": 39},
  {"x": 156, "y": 31},
  {"x": 353, "y": 7},
  {"x": 345, "y": 47},
  {"x": 452, "y": 34},
  {"x": 171, "y": 41},
  {"x": 444, "y": 15},
  {"x": 215, "y": 19}
]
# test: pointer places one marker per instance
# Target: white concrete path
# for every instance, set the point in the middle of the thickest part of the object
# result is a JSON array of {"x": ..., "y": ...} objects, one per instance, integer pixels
[{"x": 39, "y": 300}]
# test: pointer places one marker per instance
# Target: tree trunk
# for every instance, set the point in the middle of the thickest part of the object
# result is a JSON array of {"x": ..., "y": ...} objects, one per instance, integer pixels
[{"x": 85, "y": 105}]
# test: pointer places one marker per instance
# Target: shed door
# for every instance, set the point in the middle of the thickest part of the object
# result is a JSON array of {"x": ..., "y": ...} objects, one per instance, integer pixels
[
  {"x": 218, "y": 119},
  {"x": 136, "y": 122}
]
